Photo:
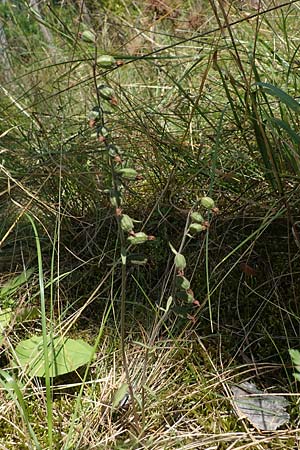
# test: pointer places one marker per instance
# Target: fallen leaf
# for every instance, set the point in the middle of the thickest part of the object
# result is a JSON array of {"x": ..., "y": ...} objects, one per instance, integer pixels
[{"x": 264, "y": 411}]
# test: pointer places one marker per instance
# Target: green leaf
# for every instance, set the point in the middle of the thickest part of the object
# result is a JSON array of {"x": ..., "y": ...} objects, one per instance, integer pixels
[
  {"x": 120, "y": 397},
  {"x": 64, "y": 355},
  {"x": 5, "y": 316},
  {"x": 26, "y": 313},
  {"x": 284, "y": 125},
  {"x": 297, "y": 376},
  {"x": 281, "y": 95},
  {"x": 173, "y": 249},
  {"x": 12, "y": 285},
  {"x": 169, "y": 303}
]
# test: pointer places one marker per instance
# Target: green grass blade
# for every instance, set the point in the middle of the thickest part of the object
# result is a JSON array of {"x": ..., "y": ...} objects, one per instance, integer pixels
[
  {"x": 285, "y": 126},
  {"x": 281, "y": 95},
  {"x": 14, "y": 391},
  {"x": 45, "y": 334}
]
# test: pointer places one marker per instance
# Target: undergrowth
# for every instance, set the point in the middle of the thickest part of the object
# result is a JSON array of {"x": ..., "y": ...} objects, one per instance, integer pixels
[{"x": 204, "y": 104}]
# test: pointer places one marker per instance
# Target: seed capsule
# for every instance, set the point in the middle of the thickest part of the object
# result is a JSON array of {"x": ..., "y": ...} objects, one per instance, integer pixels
[
  {"x": 126, "y": 223},
  {"x": 113, "y": 150},
  {"x": 207, "y": 202},
  {"x": 190, "y": 298},
  {"x": 180, "y": 261},
  {"x": 196, "y": 217},
  {"x": 128, "y": 173},
  {"x": 138, "y": 238},
  {"x": 115, "y": 198},
  {"x": 106, "y": 92},
  {"x": 196, "y": 228},
  {"x": 94, "y": 114},
  {"x": 184, "y": 283},
  {"x": 88, "y": 36},
  {"x": 106, "y": 61},
  {"x": 113, "y": 201},
  {"x": 104, "y": 132}
]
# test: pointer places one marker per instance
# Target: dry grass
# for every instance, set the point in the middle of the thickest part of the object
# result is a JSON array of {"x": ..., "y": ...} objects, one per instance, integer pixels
[
  {"x": 186, "y": 403},
  {"x": 183, "y": 120}
]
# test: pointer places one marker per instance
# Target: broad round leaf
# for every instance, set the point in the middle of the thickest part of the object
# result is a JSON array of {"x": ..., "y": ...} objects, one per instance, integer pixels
[{"x": 64, "y": 355}]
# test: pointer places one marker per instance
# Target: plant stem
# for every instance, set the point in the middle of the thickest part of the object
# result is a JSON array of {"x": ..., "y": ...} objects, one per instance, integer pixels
[{"x": 46, "y": 339}]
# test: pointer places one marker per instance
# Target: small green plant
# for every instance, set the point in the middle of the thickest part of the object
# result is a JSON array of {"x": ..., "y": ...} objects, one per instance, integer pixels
[
  {"x": 196, "y": 224},
  {"x": 121, "y": 175}
]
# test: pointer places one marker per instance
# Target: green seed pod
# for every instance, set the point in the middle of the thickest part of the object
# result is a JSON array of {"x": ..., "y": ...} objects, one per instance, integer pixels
[
  {"x": 104, "y": 132},
  {"x": 106, "y": 92},
  {"x": 88, "y": 36},
  {"x": 196, "y": 228},
  {"x": 190, "y": 297},
  {"x": 180, "y": 261},
  {"x": 106, "y": 61},
  {"x": 207, "y": 202},
  {"x": 113, "y": 201},
  {"x": 196, "y": 217},
  {"x": 126, "y": 223},
  {"x": 138, "y": 238},
  {"x": 128, "y": 173},
  {"x": 184, "y": 283},
  {"x": 115, "y": 198},
  {"x": 113, "y": 150},
  {"x": 94, "y": 114}
]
